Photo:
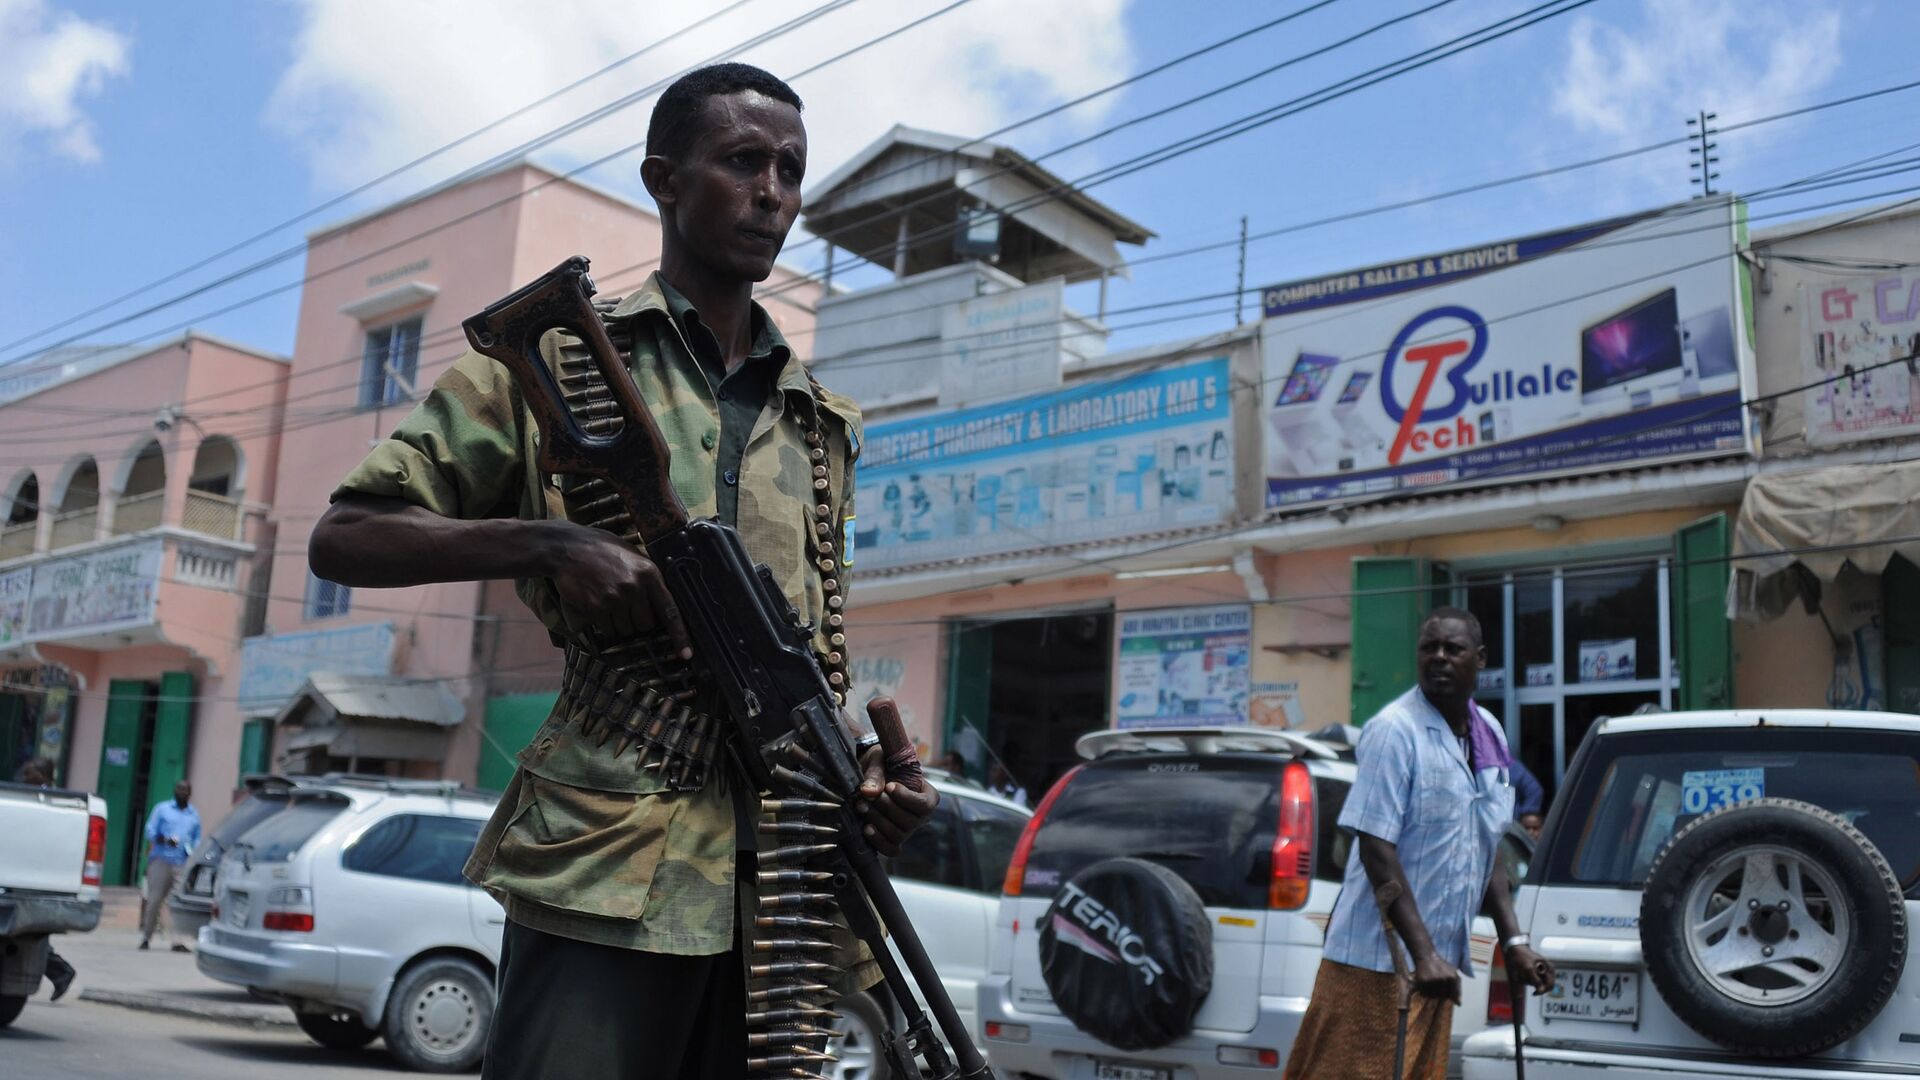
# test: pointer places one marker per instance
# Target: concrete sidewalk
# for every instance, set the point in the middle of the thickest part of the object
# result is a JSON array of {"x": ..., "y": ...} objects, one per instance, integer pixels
[{"x": 112, "y": 971}]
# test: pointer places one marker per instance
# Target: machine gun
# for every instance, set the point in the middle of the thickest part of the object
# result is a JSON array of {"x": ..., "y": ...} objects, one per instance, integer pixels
[{"x": 756, "y": 649}]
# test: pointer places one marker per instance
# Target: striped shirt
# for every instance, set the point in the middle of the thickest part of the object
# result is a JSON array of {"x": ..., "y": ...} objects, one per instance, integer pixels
[{"x": 1416, "y": 791}]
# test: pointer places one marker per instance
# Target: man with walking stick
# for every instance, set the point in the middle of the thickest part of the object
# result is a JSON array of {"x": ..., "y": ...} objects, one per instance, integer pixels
[{"x": 1428, "y": 808}]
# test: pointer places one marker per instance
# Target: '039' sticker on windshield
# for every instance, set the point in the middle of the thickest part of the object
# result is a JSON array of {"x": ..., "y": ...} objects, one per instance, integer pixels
[{"x": 1712, "y": 789}]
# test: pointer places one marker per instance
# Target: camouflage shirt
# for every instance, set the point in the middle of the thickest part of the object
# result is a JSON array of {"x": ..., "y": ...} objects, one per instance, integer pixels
[{"x": 582, "y": 844}]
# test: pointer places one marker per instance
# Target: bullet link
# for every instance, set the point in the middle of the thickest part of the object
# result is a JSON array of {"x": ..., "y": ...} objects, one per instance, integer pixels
[{"x": 789, "y": 1016}]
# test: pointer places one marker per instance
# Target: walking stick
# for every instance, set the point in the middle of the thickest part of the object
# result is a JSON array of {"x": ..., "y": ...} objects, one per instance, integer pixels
[
  {"x": 1385, "y": 895},
  {"x": 1519, "y": 1014}
]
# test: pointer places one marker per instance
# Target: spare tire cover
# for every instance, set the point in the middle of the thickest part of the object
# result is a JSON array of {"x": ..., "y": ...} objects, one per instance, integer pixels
[{"x": 1127, "y": 952}]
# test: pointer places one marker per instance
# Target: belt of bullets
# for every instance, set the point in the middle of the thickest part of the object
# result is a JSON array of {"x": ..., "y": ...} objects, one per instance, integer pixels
[
  {"x": 641, "y": 702},
  {"x": 789, "y": 973}
]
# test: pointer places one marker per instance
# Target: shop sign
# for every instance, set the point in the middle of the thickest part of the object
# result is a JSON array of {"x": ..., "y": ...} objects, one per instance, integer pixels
[
  {"x": 1187, "y": 666},
  {"x": 1860, "y": 325},
  {"x": 113, "y": 589},
  {"x": 1615, "y": 343},
  {"x": 1601, "y": 661},
  {"x": 1002, "y": 344},
  {"x": 1102, "y": 460},
  {"x": 16, "y": 587},
  {"x": 273, "y": 667},
  {"x": 1275, "y": 705}
]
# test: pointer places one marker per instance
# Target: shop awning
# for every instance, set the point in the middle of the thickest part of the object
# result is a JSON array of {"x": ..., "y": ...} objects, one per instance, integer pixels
[
  {"x": 1797, "y": 528},
  {"x": 371, "y": 716}
]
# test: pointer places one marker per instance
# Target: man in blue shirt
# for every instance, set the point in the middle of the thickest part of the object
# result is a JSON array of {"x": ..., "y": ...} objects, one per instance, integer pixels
[
  {"x": 173, "y": 829},
  {"x": 1429, "y": 805}
]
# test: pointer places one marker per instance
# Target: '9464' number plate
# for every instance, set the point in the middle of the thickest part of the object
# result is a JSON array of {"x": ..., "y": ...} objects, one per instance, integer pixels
[{"x": 1610, "y": 996}]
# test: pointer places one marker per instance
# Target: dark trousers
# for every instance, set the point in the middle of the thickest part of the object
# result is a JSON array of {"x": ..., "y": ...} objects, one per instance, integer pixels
[{"x": 571, "y": 1010}]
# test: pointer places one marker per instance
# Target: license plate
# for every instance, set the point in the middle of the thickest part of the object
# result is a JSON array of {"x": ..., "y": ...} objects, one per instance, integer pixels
[
  {"x": 1110, "y": 1070},
  {"x": 1607, "y": 995},
  {"x": 237, "y": 908}
]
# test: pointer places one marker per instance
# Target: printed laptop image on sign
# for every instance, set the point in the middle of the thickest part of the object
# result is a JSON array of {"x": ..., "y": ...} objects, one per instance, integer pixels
[
  {"x": 1294, "y": 416},
  {"x": 1632, "y": 353}
]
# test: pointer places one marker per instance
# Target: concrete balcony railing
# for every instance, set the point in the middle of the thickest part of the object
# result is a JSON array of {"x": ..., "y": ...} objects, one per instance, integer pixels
[
  {"x": 212, "y": 515},
  {"x": 74, "y": 527},
  {"x": 138, "y": 513},
  {"x": 17, "y": 540}
]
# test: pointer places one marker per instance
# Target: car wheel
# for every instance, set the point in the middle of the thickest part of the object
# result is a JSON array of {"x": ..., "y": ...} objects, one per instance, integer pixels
[
  {"x": 336, "y": 1031},
  {"x": 1773, "y": 927},
  {"x": 862, "y": 1026},
  {"x": 438, "y": 1015},
  {"x": 10, "y": 1006}
]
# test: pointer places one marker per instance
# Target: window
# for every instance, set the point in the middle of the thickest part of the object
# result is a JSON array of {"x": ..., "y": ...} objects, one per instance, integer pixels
[
  {"x": 995, "y": 831},
  {"x": 932, "y": 852},
  {"x": 325, "y": 599},
  {"x": 279, "y": 837},
  {"x": 419, "y": 847},
  {"x": 387, "y": 367}
]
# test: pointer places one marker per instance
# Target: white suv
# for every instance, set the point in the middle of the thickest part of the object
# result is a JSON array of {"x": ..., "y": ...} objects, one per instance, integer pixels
[
  {"x": 349, "y": 906},
  {"x": 1727, "y": 894},
  {"x": 1232, "y": 858}
]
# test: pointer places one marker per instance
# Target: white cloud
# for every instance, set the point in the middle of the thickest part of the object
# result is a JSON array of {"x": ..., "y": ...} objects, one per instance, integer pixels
[
  {"x": 1738, "y": 58},
  {"x": 372, "y": 86},
  {"x": 49, "y": 61}
]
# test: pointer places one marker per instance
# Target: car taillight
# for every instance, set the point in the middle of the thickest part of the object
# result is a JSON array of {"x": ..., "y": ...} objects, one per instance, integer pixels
[
  {"x": 289, "y": 907},
  {"x": 1293, "y": 841},
  {"x": 1017, "y": 866},
  {"x": 96, "y": 850},
  {"x": 1499, "y": 991}
]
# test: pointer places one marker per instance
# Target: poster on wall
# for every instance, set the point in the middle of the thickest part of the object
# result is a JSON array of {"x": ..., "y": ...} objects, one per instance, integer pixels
[
  {"x": 16, "y": 586},
  {"x": 1604, "y": 660},
  {"x": 1187, "y": 666},
  {"x": 1613, "y": 343},
  {"x": 113, "y": 589},
  {"x": 1852, "y": 333},
  {"x": 1275, "y": 705},
  {"x": 1110, "y": 458}
]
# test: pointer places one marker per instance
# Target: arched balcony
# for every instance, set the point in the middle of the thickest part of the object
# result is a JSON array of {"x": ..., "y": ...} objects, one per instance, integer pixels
[
  {"x": 76, "y": 517},
  {"x": 215, "y": 490},
  {"x": 22, "y": 520},
  {"x": 143, "y": 493}
]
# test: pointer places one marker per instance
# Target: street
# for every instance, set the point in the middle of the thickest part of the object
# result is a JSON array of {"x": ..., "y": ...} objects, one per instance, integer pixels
[
  {"x": 175, "y": 1031},
  {"x": 83, "y": 1040}
]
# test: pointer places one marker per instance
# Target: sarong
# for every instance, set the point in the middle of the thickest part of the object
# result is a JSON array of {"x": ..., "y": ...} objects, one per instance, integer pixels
[{"x": 1347, "y": 1033}]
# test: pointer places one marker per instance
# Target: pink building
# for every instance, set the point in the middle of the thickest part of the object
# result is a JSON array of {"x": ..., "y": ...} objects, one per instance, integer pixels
[
  {"x": 135, "y": 487},
  {"x": 413, "y": 673}
]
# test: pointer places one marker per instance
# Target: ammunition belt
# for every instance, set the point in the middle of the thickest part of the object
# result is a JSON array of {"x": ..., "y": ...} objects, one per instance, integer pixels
[{"x": 790, "y": 948}]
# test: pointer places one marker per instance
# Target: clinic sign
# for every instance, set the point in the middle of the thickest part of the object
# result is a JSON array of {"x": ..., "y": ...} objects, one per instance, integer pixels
[
  {"x": 1183, "y": 667},
  {"x": 1614, "y": 343},
  {"x": 1109, "y": 458}
]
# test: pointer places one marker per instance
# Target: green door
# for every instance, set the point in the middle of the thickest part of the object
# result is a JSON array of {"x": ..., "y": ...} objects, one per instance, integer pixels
[
  {"x": 509, "y": 726},
  {"x": 256, "y": 746},
  {"x": 1389, "y": 600},
  {"x": 121, "y": 740},
  {"x": 969, "y": 685},
  {"x": 1900, "y": 594},
  {"x": 1702, "y": 634},
  {"x": 172, "y": 733}
]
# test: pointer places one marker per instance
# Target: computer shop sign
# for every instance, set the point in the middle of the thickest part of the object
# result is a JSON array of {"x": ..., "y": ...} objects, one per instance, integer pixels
[{"x": 1618, "y": 342}]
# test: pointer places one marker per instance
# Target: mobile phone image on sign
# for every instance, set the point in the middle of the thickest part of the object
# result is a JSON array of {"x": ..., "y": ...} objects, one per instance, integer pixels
[{"x": 1711, "y": 789}]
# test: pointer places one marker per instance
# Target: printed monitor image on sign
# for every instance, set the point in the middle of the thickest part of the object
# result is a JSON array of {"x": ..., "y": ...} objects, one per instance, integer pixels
[
  {"x": 1590, "y": 348},
  {"x": 1642, "y": 342}
]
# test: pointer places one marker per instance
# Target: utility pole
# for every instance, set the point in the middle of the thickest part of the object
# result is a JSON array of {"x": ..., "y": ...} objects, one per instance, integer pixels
[
  {"x": 1705, "y": 159},
  {"x": 1240, "y": 277}
]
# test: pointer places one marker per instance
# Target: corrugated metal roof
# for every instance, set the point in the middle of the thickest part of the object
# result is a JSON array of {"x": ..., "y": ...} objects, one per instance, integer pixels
[{"x": 328, "y": 697}]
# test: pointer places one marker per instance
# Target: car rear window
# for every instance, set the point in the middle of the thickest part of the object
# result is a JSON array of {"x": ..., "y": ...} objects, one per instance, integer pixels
[
  {"x": 1210, "y": 819},
  {"x": 277, "y": 838},
  {"x": 1641, "y": 789},
  {"x": 251, "y": 811}
]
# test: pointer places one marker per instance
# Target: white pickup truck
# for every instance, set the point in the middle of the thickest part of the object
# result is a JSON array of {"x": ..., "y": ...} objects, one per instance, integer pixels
[{"x": 51, "y": 845}]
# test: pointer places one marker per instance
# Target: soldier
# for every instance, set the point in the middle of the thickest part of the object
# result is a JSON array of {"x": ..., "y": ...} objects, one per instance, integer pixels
[{"x": 622, "y": 956}]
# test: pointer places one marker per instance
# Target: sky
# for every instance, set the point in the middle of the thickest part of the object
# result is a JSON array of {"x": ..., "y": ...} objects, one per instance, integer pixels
[{"x": 140, "y": 142}]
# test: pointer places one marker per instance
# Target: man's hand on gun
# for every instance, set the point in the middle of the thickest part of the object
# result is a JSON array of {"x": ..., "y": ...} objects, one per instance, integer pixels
[{"x": 894, "y": 796}]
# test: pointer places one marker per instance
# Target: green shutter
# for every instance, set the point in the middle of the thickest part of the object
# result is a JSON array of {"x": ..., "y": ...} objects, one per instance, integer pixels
[
  {"x": 172, "y": 733},
  {"x": 1388, "y": 603},
  {"x": 118, "y": 744},
  {"x": 256, "y": 746},
  {"x": 969, "y": 685},
  {"x": 1900, "y": 590},
  {"x": 510, "y": 723},
  {"x": 1702, "y": 635}
]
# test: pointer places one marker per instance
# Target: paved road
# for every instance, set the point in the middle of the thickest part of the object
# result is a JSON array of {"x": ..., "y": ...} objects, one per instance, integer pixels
[{"x": 79, "y": 1040}]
